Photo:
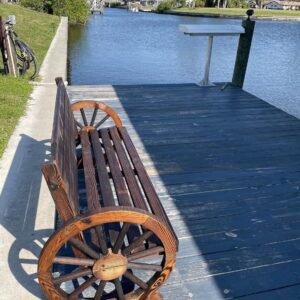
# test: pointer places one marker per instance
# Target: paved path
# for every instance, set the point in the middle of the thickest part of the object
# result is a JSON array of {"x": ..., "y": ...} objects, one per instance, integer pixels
[{"x": 26, "y": 208}]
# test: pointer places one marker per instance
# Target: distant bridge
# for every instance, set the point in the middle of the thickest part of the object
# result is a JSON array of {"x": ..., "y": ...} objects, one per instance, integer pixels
[{"x": 96, "y": 6}]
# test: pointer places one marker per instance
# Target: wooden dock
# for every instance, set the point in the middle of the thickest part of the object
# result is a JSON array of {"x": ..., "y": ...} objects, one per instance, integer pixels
[{"x": 227, "y": 168}]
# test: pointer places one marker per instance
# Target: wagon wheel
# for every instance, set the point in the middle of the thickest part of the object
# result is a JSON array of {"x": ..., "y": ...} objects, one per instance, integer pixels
[
  {"x": 104, "y": 274},
  {"x": 93, "y": 114}
]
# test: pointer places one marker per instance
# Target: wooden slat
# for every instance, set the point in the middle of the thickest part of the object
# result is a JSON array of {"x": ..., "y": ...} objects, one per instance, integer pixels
[
  {"x": 104, "y": 183},
  {"x": 120, "y": 186},
  {"x": 146, "y": 183},
  {"x": 132, "y": 183},
  {"x": 89, "y": 173},
  {"x": 118, "y": 179}
]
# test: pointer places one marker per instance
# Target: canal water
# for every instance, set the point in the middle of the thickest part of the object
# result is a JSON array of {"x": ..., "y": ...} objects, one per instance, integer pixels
[{"x": 143, "y": 48}]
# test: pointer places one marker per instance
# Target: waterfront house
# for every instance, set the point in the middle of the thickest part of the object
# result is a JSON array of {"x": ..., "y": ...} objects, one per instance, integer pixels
[
  {"x": 273, "y": 5},
  {"x": 282, "y": 5}
]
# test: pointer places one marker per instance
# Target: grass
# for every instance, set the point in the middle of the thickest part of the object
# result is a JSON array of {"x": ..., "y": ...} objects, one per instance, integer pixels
[
  {"x": 37, "y": 30},
  {"x": 239, "y": 11}
]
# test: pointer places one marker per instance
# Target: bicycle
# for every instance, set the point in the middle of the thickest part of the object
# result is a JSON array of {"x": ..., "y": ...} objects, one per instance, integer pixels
[{"x": 20, "y": 53}]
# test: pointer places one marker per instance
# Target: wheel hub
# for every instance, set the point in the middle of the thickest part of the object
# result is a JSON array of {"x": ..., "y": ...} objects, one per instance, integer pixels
[{"x": 110, "y": 266}]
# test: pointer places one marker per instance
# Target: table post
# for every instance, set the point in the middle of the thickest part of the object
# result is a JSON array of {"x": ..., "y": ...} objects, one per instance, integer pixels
[{"x": 205, "y": 81}]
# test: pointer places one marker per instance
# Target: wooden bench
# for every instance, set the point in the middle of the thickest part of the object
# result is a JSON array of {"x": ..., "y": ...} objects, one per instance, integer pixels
[{"x": 123, "y": 245}]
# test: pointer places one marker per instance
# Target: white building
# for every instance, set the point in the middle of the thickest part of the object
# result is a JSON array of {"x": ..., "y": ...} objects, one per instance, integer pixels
[
  {"x": 252, "y": 4},
  {"x": 282, "y": 5},
  {"x": 273, "y": 5}
]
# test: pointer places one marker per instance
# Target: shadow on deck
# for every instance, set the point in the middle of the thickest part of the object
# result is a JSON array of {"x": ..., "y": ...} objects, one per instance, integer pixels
[{"x": 226, "y": 166}]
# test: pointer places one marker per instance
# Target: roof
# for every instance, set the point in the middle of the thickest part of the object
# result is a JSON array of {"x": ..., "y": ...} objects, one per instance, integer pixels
[{"x": 284, "y": 3}]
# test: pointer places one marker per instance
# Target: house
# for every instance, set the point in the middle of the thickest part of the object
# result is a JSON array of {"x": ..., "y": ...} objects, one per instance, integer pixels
[
  {"x": 282, "y": 5},
  {"x": 290, "y": 5},
  {"x": 273, "y": 5}
]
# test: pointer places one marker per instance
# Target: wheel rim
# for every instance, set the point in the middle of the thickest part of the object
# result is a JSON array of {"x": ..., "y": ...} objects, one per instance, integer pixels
[
  {"x": 93, "y": 114},
  {"x": 121, "y": 259}
]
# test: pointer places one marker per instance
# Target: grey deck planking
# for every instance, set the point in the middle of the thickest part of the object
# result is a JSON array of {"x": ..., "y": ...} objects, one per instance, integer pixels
[{"x": 226, "y": 166}]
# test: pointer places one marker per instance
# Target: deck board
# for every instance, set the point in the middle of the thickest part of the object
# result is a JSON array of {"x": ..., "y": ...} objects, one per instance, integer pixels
[{"x": 226, "y": 166}]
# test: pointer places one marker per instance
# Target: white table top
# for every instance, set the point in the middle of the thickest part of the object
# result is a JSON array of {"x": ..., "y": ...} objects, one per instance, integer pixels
[{"x": 206, "y": 30}]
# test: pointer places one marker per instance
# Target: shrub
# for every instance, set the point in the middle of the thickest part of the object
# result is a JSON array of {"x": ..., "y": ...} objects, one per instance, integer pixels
[
  {"x": 237, "y": 4},
  {"x": 76, "y": 10},
  {"x": 33, "y": 4},
  {"x": 165, "y": 5},
  {"x": 199, "y": 3}
]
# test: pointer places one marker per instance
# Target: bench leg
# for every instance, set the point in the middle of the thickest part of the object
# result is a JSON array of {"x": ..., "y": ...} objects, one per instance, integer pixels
[{"x": 136, "y": 273}]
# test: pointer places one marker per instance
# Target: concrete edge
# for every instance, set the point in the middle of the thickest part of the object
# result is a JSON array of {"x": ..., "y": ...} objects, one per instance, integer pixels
[
  {"x": 46, "y": 70},
  {"x": 225, "y": 16}
]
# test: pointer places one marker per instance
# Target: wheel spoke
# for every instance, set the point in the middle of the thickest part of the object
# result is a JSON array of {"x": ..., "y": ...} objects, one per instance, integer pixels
[
  {"x": 82, "y": 272},
  {"x": 75, "y": 261},
  {"x": 94, "y": 116},
  {"x": 143, "y": 266},
  {"x": 102, "y": 121},
  {"x": 83, "y": 117},
  {"x": 119, "y": 289},
  {"x": 78, "y": 124},
  {"x": 100, "y": 290},
  {"x": 101, "y": 239},
  {"x": 84, "y": 248},
  {"x": 155, "y": 251},
  {"x": 137, "y": 242},
  {"x": 136, "y": 280},
  {"x": 120, "y": 238},
  {"x": 82, "y": 287}
]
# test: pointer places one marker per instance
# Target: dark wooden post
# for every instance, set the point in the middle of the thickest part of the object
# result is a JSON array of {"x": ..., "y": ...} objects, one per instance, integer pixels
[
  {"x": 2, "y": 47},
  {"x": 243, "y": 51}
]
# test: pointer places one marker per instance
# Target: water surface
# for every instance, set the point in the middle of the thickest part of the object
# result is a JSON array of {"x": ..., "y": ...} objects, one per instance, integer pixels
[{"x": 143, "y": 48}]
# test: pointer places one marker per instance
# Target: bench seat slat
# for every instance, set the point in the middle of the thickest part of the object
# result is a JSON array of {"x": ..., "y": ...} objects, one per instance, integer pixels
[
  {"x": 104, "y": 183},
  {"x": 89, "y": 173},
  {"x": 106, "y": 193},
  {"x": 120, "y": 186},
  {"x": 146, "y": 183},
  {"x": 132, "y": 183},
  {"x": 119, "y": 181}
]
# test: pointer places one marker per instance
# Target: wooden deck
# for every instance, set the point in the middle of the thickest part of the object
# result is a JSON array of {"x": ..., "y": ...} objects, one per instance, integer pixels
[{"x": 227, "y": 168}]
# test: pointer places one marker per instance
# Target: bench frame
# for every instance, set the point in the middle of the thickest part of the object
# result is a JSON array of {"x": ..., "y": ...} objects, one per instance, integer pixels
[{"x": 116, "y": 252}]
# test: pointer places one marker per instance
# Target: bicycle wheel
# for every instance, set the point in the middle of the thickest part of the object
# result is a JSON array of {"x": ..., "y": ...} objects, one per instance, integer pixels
[{"x": 28, "y": 56}]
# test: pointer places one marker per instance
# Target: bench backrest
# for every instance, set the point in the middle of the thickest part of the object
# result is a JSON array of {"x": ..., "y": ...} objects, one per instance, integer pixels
[{"x": 61, "y": 172}]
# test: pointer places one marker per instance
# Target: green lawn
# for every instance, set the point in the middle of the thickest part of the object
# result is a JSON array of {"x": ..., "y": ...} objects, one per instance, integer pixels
[
  {"x": 37, "y": 30},
  {"x": 240, "y": 11}
]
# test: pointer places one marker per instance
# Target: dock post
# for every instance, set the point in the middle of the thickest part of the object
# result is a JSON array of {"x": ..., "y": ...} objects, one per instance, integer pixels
[
  {"x": 2, "y": 46},
  {"x": 243, "y": 51}
]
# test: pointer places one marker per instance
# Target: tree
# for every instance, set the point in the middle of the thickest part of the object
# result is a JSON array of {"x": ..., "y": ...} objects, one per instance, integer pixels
[{"x": 33, "y": 4}]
